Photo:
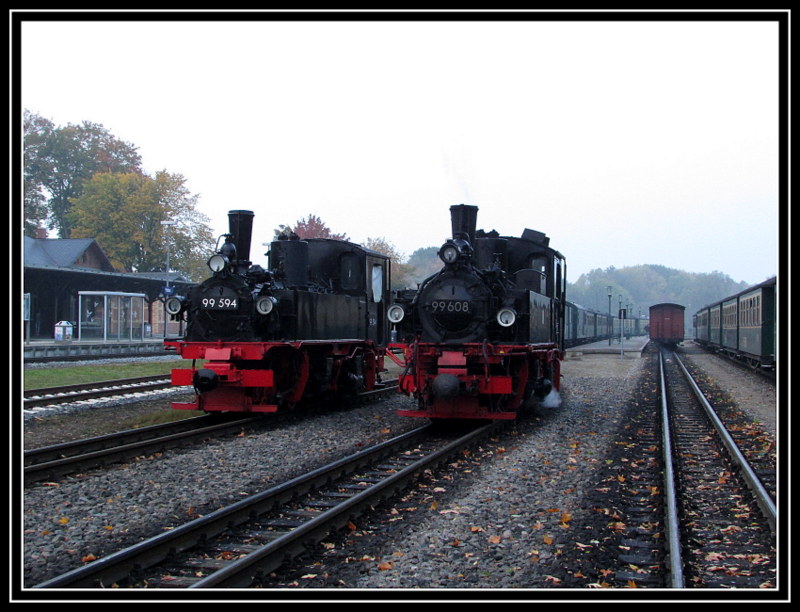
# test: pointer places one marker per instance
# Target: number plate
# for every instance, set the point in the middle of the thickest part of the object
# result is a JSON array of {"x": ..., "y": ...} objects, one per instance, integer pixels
[
  {"x": 450, "y": 306},
  {"x": 219, "y": 303}
]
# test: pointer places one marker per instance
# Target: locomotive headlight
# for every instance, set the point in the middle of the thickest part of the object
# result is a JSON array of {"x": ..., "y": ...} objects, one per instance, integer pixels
[
  {"x": 395, "y": 313},
  {"x": 217, "y": 262},
  {"x": 264, "y": 305},
  {"x": 506, "y": 317},
  {"x": 174, "y": 305},
  {"x": 448, "y": 253}
]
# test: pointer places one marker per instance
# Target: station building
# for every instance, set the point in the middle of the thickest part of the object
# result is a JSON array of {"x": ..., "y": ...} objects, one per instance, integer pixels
[{"x": 72, "y": 292}]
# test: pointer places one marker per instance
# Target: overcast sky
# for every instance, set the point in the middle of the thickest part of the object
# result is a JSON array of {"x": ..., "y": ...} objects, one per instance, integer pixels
[{"x": 627, "y": 143}]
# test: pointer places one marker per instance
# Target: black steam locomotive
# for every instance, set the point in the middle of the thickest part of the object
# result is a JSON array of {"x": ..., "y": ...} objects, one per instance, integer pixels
[
  {"x": 485, "y": 334},
  {"x": 314, "y": 322}
]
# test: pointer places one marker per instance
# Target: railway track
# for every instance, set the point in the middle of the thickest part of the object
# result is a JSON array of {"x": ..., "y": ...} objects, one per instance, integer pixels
[
  {"x": 721, "y": 517},
  {"x": 234, "y": 546},
  {"x": 34, "y": 398},
  {"x": 53, "y": 462},
  {"x": 687, "y": 506},
  {"x": 39, "y": 358}
]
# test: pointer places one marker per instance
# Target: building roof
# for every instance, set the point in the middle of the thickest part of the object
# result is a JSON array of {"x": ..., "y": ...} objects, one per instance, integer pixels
[
  {"x": 65, "y": 253},
  {"x": 81, "y": 264}
]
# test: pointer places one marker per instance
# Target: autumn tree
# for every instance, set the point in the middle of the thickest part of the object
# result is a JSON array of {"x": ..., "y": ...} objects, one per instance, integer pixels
[
  {"x": 423, "y": 263},
  {"x": 123, "y": 213},
  {"x": 36, "y": 130},
  {"x": 311, "y": 227},
  {"x": 58, "y": 161}
]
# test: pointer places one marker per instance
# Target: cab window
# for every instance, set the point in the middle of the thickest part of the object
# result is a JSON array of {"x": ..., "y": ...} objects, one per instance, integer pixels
[{"x": 377, "y": 282}]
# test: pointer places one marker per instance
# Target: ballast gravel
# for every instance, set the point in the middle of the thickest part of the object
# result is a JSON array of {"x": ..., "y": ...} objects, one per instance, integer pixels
[{"x": 502, "y": 517}]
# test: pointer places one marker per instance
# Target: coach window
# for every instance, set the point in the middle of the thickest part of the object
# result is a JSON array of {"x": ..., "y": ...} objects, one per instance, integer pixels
[{"x": 377, "y": 282}]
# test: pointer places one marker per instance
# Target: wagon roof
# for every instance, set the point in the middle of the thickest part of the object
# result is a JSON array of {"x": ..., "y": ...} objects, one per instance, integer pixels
[{"x": 770, "y": 282}]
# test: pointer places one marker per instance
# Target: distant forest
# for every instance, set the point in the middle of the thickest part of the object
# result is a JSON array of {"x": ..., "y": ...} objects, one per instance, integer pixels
[
  {"x": 636, "y": 287},
  {"x": 645, "y": 285}
]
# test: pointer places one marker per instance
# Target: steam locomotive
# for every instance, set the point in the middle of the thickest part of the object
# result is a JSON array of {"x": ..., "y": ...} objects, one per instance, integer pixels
[
  {"x": 485, "y": 334},
  {"x": 313, "y": 323}
]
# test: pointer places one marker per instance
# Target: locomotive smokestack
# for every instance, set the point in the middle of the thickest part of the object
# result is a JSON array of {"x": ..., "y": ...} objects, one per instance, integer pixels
[
  {"x": 464, "y": 219},
  {"x": 240, "y": 223}
]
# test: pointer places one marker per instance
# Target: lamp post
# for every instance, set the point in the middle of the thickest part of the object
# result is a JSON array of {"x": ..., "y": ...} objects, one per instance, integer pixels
[
  {"x": 167, "y": 224},
  {"x": 610, "y": 320},
  {"x": 628, "y": 315}
]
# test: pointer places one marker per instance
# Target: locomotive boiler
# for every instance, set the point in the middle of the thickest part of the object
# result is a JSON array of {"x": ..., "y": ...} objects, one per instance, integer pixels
[
  {"x": 484, "y": 335},
  {"x": 313, "y": 323}
]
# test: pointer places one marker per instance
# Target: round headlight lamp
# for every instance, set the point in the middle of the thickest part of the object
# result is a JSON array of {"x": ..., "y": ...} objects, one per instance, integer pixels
[
  {"x": 506, "y": 317},
  {"x": 264, "y": 305},
  {"x": 174, "y": 305},
  {"x": 395, "y": 313},
  {"x": 217, "y": 262},
  {"x": 448, "y": 253}
]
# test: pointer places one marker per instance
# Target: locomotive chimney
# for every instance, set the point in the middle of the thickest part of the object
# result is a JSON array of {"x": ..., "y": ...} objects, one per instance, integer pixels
[
  {"x": 464, "y": 219},
  {"x": 240, "y": 223}
]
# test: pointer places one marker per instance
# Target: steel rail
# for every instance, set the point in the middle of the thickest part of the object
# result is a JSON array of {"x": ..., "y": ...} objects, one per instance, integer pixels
[
  {"x": 670, "y": 490},
  {"x": 241, "y": 572},
  {"x": 55, "y": 461},
  {"x": 120, "y": 564},
  {"x": 763, "y": 498},
  {"x": 84, "y": 391},
  {"x": 60, "y": 459}
]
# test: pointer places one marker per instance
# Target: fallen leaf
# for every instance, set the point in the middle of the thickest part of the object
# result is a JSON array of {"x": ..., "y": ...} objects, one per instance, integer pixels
[{"x": 227, "y": 555}]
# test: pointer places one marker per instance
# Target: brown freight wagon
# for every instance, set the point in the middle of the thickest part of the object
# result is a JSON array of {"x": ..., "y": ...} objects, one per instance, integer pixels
[{"x": 666, "y": 324}]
